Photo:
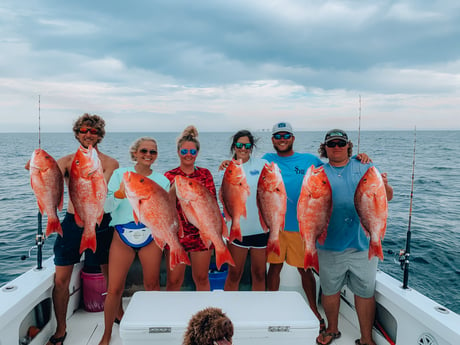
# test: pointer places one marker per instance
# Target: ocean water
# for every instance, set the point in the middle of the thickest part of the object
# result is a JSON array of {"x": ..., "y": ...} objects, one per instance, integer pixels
[{"x": 435, "y": 222}]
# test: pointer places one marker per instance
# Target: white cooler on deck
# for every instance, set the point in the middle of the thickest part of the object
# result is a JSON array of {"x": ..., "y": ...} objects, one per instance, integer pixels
[{"x": 279, "y": 317}]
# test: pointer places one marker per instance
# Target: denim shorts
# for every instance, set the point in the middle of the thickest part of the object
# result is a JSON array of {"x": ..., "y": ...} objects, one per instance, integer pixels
[
  {"x": 67, "y": 248},
  {"x": 350, "y": 267}
]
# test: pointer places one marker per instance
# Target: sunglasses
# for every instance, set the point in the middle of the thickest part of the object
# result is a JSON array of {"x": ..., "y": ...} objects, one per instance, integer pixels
[
  {"x": 193, "y": 152},
  {"x": 339, "y": 143},
  {"x": 145, "y": 151},
  {"x": 84, "y": 130},
  {"x": 284, "y": 136},
  {"x": 247, "y": 146}
]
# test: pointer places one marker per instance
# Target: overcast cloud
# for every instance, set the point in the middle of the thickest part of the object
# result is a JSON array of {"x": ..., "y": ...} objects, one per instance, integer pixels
[{"x": 227, "y": 65}]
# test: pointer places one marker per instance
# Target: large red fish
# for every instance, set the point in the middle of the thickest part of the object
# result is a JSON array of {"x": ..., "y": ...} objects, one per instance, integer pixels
[
  {"x": 201, "y": 209},
  {"x": 233, "y": 194},
  {"x": 152, "y": 207},
  {"x": 372, "y": 206},
  {"x": 314, "y": 210},
  {"x": 87, "y": 191},
  {"x": 272, "y": 203},
  {"x": 48, "y": 186}
]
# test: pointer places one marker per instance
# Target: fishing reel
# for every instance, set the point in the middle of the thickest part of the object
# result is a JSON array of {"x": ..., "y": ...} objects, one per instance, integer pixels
[
  {"x": 401, "y": 258},
  {"x": 39, "y": 242}
]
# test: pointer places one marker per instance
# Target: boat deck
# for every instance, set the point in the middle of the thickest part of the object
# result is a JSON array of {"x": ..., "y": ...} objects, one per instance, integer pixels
[{"x": 86, "y": 328}]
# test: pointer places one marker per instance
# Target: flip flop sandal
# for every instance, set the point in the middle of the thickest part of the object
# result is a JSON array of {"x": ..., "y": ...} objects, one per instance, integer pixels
[
  {"x": 53, "y": 340},
  {"x": 329, "y": 334}
]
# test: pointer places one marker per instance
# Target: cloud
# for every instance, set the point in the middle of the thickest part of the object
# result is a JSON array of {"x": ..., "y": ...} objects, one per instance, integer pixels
[{"x": 226, "y": 65}]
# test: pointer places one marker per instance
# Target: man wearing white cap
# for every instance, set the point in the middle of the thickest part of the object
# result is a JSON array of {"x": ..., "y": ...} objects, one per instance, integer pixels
[{"x": 293, "y": 166}]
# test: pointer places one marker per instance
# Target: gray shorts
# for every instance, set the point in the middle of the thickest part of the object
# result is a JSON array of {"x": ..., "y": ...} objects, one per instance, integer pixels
[{"x": 350, "y": 267}]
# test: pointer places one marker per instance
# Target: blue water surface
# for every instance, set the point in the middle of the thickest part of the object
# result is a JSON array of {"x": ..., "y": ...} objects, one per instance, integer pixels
[{"x": 435, "y": 224}]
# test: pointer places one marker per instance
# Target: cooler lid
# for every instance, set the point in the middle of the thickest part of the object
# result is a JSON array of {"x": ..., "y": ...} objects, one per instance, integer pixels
[{"x": 170, "y": 312}]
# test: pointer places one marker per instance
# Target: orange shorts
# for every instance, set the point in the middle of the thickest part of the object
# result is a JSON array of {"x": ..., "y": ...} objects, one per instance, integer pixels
[{"x": 292, "y": 250}]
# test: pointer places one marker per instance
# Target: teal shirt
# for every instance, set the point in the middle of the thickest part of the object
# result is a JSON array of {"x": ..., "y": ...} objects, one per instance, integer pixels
[
  {"x": 345, "y": 230},
  {"x": 120, "y": 209},
  {"x": 293, "y": 169}
]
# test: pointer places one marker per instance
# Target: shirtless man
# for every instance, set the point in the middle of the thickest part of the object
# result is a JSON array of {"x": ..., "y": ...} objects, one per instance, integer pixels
[{"x": 88, "y": 130}]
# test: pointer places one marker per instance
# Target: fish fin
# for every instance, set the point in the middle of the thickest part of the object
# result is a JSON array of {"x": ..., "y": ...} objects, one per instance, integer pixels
[
  {"x": 121, "y": 192},
  {"x": 88, "y": 240},
  {"x": 375, "y": 249},
  {"x": 159, "y": 241},
  {"x": 178, "y": 256},
  {"x": 273, "y": 246},
  {"x": 41, "y": 207},
  {"x": 54, "y": 225},
  {"x": 78, "y": 220},
  {"x": 223, "y": 256},
  {"x": 262, "y": 222},
  {"x": 311, "y": 260},
  {"x": 99, "y": 219},
  {"x": 322, "y": 238}
]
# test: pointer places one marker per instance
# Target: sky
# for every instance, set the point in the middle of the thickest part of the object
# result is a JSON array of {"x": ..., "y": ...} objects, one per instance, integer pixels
[{"x": 227, "y": 65}]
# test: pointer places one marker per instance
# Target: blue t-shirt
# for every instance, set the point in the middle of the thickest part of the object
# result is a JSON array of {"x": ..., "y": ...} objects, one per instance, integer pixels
[
  {"x": 121, "y": 210},
  {"x": 293, "y": 169},
  {"x": 344, "y": 230}
]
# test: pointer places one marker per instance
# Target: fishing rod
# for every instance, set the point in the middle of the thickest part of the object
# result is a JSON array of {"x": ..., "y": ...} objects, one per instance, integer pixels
[
  {"x": 359, "y": 123},
  {"x": 40, "y": 238},
  {"x": 405, "y": 254}
]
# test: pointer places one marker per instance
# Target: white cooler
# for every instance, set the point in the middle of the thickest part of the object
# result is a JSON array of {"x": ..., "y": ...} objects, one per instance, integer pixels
[{"x": 279, "y": 317}]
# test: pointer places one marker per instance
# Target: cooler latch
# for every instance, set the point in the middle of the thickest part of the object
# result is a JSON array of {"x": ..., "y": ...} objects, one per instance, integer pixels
[{"x": 279, "y": 328}]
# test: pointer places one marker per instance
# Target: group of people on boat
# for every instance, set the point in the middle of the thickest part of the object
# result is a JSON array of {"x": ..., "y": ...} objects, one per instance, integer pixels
[{"x": 343, "y": 259}]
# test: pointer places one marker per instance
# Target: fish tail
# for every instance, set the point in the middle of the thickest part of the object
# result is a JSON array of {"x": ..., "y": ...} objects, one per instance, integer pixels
[
  {"x": 54, "y": 225},
  {"x": 88, "y": 240},
  {"x": 223, "y": 256},
  {"x": 235, "y": 232},
  {"x": 178, "y": 256},
  {"x": 311, "y": 260},
  {"x": 375, "y": 249},
  {"x": 273, "y": 246}
]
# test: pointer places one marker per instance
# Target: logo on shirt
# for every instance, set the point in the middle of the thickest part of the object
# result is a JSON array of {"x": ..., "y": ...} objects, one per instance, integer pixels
[
  {"x": 254, "y": 172},
  {"x": 299, "y": 171}
]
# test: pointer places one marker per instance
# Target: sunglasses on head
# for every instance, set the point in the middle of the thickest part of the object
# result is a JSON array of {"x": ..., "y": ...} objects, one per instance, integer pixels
[
  {"x": 247, "y": 146},
  {"x": 339, "y": 143},
  {"x": 84, "y": 130},
  {"x": 193, "y": 152},
  {"x": 284, "y": 136},
  {"x": 145, "y": 151}
]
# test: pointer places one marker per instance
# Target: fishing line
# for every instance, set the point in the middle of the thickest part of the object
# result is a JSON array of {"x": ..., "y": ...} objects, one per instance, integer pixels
[
  {"x": 404, "y": 254},
  {"x": 359, "y": 124}
]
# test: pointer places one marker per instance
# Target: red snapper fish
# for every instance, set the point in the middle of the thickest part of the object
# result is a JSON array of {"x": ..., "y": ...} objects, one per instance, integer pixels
[
  {"x": 152, "y": 206},
  {"x": 201, "y": 209},
  {"x": 314, "y": 210},
  {"x": 48, "y": 186},
  {"x": 233, "y": 194},
  {"x": 272, "y": 203},
  {"x": 372, "y": 206},
  {"x": 87, "y": 191}
]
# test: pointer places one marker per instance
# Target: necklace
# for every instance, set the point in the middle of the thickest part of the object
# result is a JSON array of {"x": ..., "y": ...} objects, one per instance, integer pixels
[{"x": 338, "y": 170}]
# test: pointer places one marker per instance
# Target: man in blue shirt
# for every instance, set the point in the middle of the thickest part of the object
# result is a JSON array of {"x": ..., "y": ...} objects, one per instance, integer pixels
[{"x": 293, "y": 166}]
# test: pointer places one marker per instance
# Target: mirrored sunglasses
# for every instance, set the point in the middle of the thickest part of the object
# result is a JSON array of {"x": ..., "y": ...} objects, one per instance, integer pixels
[
  {"x": 84, "y": 130},
  {"x": 247, "y": 146},
  {"x": 193, "y": 152},
  {"x": 285, "y": 136}
]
